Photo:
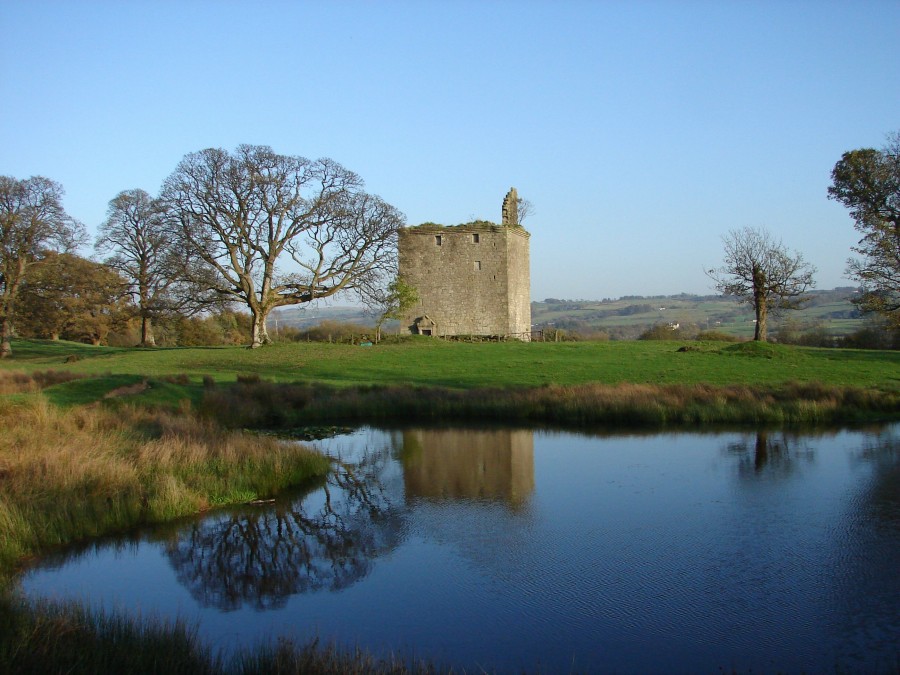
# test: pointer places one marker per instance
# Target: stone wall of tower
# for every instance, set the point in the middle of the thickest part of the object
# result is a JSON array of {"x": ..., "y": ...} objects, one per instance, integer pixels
[
  {"x": 518, "y": 286},
  {"x": 471, "y": 279}
]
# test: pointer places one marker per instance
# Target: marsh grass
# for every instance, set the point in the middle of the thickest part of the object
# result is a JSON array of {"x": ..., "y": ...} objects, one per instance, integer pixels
[
  {"x": 269, "y": 405},
  {"x": 68, "y": 474},
  {"x": 285, "y": 656},
  {"x": 17, "y": 382},
  {"x": 67, "y": 638},
  {"x": 47, "y": 637}
]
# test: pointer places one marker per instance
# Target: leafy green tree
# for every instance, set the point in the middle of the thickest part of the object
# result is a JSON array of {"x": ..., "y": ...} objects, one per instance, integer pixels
[
  {"x": 32, "y": 220},
  {"x": 393, "y": 303},
  {"x": 67, "y": 296},
  {"x": 867, "y": 181},
  {"x": 245, "y": 214},
  {"x": 760, "y": 271}
]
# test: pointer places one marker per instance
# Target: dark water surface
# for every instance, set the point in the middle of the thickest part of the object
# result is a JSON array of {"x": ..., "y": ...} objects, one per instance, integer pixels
[{"x": 511, "y": 549}]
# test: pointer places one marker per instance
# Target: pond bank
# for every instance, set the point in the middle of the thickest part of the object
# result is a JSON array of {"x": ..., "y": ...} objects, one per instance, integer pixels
[
  {"x": 87, "y": 471},
  {"x": 261, "y": 404}
]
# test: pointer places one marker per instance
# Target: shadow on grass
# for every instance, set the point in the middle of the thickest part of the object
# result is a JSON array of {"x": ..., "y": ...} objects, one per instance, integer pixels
[
  {"x": 31, "y": 350},
  {"x": 151, "y": 393},
  {"x": 88, "y": 389},
  {"x": 50, "y": 350}
]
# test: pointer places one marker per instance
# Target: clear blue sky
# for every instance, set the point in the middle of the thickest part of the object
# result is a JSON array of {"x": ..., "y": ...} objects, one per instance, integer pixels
[{"x": 641, "y": 131}]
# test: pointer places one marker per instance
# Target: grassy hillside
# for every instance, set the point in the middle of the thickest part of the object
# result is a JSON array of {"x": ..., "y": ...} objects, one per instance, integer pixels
[
  {"x": 627, "y": 317},
  {"x": 430, "y": 362}
]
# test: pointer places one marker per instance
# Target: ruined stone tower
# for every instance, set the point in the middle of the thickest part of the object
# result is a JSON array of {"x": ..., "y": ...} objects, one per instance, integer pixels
[{"x": 471, "y": 279}]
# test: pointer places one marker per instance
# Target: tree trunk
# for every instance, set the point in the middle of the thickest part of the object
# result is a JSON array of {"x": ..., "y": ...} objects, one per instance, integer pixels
[
  {"x": 5, "y": 335},
  {"x": 7, "y": 301},
  {"x": 259, "y": 336},
  {"x": 147, "y": 339},
  {"x": 762, "y": 315},
  {"x": 759, "y": 303}
]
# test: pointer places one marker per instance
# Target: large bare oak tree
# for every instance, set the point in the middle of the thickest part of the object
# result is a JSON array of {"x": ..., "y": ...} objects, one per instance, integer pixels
[
  {"x": 32, "y": 219},
  {"x": 760, "y": 271},
  {"x": 246, "y": 214}
]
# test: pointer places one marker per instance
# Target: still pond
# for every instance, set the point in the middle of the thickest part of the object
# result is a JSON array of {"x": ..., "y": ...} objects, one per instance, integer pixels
[{"x": 516, "y": 549}]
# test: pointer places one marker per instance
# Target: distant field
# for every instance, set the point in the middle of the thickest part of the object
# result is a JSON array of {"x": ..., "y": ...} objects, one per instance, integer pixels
[
  {"x": 627, "y": 317},
  {"x": 433, "y": 362}
]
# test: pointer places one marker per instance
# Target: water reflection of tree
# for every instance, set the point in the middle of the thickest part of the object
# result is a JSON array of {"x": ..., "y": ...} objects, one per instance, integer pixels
[
  {"x": 882, "y": 498},
  {"x": 769, "y": 453},
  {"x": 325, "y": 541},
  {"x": 863, "y": 562}
]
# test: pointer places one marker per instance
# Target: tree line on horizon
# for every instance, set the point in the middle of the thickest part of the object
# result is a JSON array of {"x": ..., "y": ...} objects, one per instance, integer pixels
[{"x": 256, "y": 230}]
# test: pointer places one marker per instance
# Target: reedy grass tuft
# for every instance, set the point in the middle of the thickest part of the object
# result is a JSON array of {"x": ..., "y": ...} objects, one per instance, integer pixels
[
  {"x": 285, "y": 656},
  {"x": 48, "y": 637},
  {"x": 67, "y": 638},
  {"x": 268, "y": 405},
  {"x": 17, "y": 382},
  {"x": 74, "y": 473}
]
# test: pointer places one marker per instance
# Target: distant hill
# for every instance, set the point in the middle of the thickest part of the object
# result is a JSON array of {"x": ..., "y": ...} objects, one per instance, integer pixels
[
  {"x": 627, "y": 317},
  {"x": 307, "y": 317}
]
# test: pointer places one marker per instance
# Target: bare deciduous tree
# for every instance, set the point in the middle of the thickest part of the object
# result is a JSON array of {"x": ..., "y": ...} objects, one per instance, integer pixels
[
  {"x": 524, "y": 208},
  {"x": 242, "y": 214},
  {"x": 760, "y": 271},
  {"x": 134, "y": 232},
  {"x": 32, "y": 219}
]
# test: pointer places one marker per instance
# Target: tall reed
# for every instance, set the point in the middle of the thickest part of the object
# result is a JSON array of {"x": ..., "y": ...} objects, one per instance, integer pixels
[
  {"x": 76, "y": 473},
  {"x": 17, "y": 382},
  {"x": 264, "y": 404},
  {"x": 67, "y": 638}
]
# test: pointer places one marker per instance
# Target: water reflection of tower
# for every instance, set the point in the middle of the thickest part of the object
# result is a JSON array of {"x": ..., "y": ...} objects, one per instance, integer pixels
[{"x": 496, "y": 465}]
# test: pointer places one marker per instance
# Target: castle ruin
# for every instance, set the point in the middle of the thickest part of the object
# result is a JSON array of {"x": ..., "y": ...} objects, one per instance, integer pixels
[{"x": 471, "y": 279}]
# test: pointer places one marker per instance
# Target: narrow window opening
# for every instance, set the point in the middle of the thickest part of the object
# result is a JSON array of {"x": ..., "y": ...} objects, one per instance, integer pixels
[
  {"x": 477, "y": 265},
  {"x": 475, "y": 238},
  {"x": 437, "y": 240}
]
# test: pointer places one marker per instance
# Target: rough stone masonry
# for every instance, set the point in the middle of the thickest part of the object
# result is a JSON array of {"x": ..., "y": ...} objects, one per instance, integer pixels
[{"x": 472, "y": 279}]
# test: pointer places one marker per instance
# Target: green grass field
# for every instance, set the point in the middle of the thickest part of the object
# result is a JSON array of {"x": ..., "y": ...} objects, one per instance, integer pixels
[{"x": 429, "y": 362}]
